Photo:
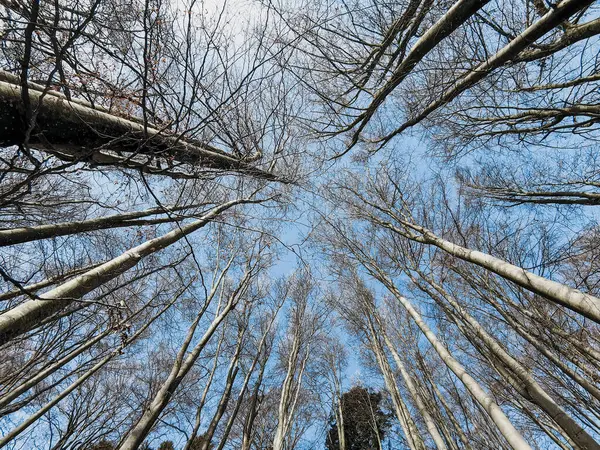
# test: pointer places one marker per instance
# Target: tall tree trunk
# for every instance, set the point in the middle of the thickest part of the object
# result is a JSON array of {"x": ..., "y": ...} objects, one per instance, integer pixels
[
  {"x": 200, "y": 407},
  {"x": 48, "y": 406},
  {"x": 28, "y": 315},
  {"x": 232, "y": 372},
  {"x": 411, "y": 432},
  {"x": 582, "y": 303},
  {"x": 502, "y": 422},
  {"x": 289, "y": 392},
  {"x": 412, "y": 389},
  {"x": 535, "y": 392},
  {"x": 560, "y": 12},
  {"x": 456, "y": 16},
  {"x": 26, "y": 385},
  {"x": 242, "y": 393},
  {"x": 181, "y": 367},
  {"x": 20, "y": 235}
]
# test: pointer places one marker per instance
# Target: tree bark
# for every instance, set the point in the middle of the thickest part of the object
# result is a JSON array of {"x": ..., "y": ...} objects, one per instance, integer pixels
[
  {"x": 28, "y": 315},
  {"x": 535, "y": 392},
  {"x": 585, "y": 304},
  {"x": 504, "y": 425},
  {"x": 181, "y": 367},
  {"x": 75, "y": 131},
  {"x": 37, "y": 232}
]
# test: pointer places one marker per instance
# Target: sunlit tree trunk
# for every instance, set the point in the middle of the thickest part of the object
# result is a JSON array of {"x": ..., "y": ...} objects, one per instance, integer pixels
[
  {"x": 15, "y": 432},
  {"x": 585, "y": 304},
  {"x": 504, "y": 425},
  {"x": 181, "y": 367},
  {"x": 416, "y": 396},
  {"x": 413, "y": 437},
  {"x": 28, "y": 315},
  {"x": 527, "y": 384}
]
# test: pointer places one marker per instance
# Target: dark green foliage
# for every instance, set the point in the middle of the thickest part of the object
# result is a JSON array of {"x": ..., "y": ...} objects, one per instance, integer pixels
[
  {"x": 198, "y": 443},
  {"x": 166, "y": 445},
  {"x": 102, "y": 445},
  {"x": 364, "y": 420}
]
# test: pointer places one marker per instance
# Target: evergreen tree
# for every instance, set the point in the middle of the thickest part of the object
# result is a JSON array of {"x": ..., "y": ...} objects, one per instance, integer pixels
[
  {"x": 166, "y": 445},
  {"x": 365, "y": 423}
]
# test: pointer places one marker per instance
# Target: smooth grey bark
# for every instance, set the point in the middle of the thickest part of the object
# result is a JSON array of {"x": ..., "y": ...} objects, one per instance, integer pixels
[
  {"x": 232, "y": 372},
  {"x": 540, "y": 346},
  {"x": 584, "y": 304},
  {"x": 505, "y": 427},
  {"x": 41, "y": 375},
  {"x": 290, "y": 390},
  {"x": 516, "y": 196},
  {"x": 182, "y": 365},
  {"x": 29, "y": 314},
  {"x": 590, "y": 387},
  {"x": 526, "y": 383},
  {"x": 413, "y": 437},
  {"x": 572, "y": 35},
  {"x": 75, "y": 131},
  {"x": 456, "y": 424},
  {"x": 200, "y": 407},
  {"x": 456, "y": 16},
  {"x": 15, "y": 432},
  {"x": 31, "y": 289},
  {"x": 412, "y": 389},
  {"x": 557, "y": 14},
  {"x": 242, "y": 393},
  {"x": 591, "y": 354},
  {"x": 248, "y": 427},
  {"x": 37, "y": 232}
]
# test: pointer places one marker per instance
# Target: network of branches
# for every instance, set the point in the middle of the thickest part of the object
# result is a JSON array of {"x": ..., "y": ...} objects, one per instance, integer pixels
[{"x": 299, "y": 224}]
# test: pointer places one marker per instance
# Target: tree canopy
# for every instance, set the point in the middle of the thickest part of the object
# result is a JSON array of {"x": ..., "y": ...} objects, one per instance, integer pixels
[{"x": 297, "y": 224}]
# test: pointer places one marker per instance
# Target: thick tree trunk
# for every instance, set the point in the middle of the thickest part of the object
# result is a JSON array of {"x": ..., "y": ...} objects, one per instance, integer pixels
[
  {"x": 29, "y": 314},
  {"x": 453, "y": 420},
  {"x": 502, "y": 422},
  {"x": 582, "y": 303},
  {"x": 535, "y": 393},
  {"x": 32, "y": 288},
  {"x": 75, "y": 131}
]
